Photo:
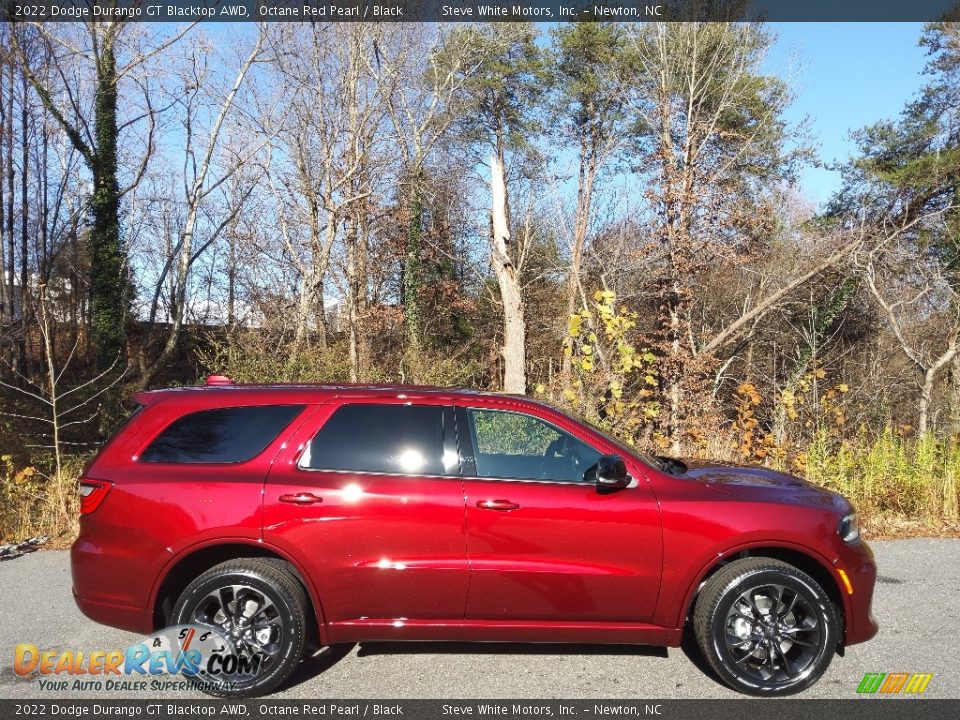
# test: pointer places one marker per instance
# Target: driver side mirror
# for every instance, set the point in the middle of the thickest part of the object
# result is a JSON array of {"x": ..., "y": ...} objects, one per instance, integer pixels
[{"x": 612, "y": 473}]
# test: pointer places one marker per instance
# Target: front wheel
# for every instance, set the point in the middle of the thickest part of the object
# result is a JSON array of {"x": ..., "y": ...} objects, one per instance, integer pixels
[
  {"x": 261, "y": 610},
  {"x": 765, "y": 627}
]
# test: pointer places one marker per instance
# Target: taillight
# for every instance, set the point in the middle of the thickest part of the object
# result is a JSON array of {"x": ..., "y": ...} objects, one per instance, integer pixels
[{"x": 92, "y": 494}]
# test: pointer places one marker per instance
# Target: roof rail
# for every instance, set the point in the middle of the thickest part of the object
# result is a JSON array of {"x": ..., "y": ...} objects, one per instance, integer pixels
[{"x": 218, "y": 380}]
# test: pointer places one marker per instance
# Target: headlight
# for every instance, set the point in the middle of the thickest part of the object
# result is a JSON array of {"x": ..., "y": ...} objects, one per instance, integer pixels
[{"x": 849, "y": 529}]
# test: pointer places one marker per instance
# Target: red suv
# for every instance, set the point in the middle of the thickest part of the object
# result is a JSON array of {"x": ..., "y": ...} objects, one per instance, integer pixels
[{"x": 282, "y": 516}]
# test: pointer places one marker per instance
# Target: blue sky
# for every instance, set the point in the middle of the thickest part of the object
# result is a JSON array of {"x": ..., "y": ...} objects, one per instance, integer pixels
[{"x": 845, "y": 76}]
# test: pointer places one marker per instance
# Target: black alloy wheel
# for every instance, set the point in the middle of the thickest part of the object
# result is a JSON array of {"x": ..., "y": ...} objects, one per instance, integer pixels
[{"x": 765, "y": 627}]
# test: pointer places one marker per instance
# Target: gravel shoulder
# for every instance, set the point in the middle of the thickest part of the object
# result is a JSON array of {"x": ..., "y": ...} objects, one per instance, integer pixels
[{"x": 917, "y": 603}]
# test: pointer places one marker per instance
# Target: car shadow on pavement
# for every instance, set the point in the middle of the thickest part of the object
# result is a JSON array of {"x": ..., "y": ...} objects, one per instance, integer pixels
[
  {"x": 504, "y": 648},
  {"x": 690, "y": 648},
  {"x": 318, "y": 663},
  {"x": 325, "y": 658}
]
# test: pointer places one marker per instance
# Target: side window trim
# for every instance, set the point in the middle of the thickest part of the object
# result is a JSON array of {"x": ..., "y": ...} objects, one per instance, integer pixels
[
  {"x": 452, "y": 461},
  {"x": 468, "y": 462},
  {"x": 467, "y": 450}
]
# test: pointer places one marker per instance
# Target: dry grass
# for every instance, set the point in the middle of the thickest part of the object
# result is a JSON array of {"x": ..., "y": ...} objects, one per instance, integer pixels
[
  {"x": 33, "y": 503},
  {"x": 901, "y": 487}
]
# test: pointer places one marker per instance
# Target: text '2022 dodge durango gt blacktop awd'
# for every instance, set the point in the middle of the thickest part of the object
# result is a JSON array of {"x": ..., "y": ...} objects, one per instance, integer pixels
[{"x": 282, "y": 516}]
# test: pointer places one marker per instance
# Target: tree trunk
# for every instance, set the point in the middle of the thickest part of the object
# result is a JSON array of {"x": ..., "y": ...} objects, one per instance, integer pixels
[
  {"x": 232, "y": 278},
  {"x": 514, "y": 330},
  {"x": 412, "y": 275},
  {"x": 361, "y": 299},
  {"x": 107, "y": 257},
  {"x": 352, "y": 291},
  {"x": 9, "y": 172},
  {"x": 311, "y": 287},
  {"x": 588, "y": 169},
  {"x": 24, "y": 216},
  {"x": 926, "y": 397},
  {"x": 6, "y": 301}
]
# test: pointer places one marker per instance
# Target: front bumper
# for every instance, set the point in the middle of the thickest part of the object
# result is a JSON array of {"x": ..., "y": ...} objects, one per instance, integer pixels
[{"x": 856, "y": 561}]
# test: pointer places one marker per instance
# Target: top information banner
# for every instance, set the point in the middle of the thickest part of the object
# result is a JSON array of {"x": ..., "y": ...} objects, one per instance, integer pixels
[{"x": 479, "y": 11}]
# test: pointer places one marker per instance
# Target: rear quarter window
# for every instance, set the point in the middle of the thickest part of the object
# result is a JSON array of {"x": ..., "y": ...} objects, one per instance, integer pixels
[{"x": 221, "y": 435}]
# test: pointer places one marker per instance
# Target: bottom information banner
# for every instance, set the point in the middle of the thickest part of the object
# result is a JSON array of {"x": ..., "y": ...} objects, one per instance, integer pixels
[{"x": 255, "y": 709}]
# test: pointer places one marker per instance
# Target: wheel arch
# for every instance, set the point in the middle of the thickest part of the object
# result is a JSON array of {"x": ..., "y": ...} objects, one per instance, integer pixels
[
  {"x": 195, "y": 560},
  {"x": 803, "y": 559}
]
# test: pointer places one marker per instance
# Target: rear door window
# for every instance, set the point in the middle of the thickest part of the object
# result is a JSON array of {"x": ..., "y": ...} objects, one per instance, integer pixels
[
  {"x": 372, "y": 438},
  {"x": 222, "y": 435}
]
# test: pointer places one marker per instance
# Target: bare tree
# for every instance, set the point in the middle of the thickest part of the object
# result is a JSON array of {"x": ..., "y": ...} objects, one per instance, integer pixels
[
  {"x": 199, "y": 185},
  {"x": 114, "y": 55},
  {"x": 59, "y": 410},
  {"x": 919, "y": 292},
  {"x": 336, "y": 92},
  {"x": 506, "y": 264},
  {"x": 424, "y": 70}
]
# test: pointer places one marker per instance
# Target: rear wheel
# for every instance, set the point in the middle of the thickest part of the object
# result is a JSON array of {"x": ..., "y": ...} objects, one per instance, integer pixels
[
  {"x": 766, "y": 627},
  {"x": 259, "y": 607}
]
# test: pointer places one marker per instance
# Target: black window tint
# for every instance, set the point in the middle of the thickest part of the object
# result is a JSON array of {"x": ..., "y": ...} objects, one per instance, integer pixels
[
  {"x": 515, "y": 445},
  {"x": 398, "y": 439},
  {"x": 224, "y": 435}
]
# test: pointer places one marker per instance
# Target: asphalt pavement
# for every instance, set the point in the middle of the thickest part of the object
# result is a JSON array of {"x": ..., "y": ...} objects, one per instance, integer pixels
[{"x": 917, "y": 603}]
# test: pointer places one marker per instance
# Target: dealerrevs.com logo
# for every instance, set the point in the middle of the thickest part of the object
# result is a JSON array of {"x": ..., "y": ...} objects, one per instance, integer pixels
[
  {"x": 894, "y": 683},
  {"x": 174, "y": 658}
]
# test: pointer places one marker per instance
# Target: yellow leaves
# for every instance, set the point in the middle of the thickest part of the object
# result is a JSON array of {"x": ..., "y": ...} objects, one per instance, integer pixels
[
  {"x": 843, "y": 388},
  {"x": 23, "y": 476},
  {"x": 799, "y": 463},
  {"x": 614, "y": 382},
  {"x": 748, "y": 393},
  {"x": 539, "y": 389},
  {"x": 819, "y": 373}
]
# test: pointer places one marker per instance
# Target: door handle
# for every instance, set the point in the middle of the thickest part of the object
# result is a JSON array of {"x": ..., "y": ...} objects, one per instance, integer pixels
[
  {"x": 501, "y": 505},
  {"x": 302, "y": 498}
]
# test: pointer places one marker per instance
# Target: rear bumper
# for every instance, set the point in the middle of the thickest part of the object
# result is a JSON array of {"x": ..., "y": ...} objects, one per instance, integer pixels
[
  {"x": 858, "y": 564},
  {"x": 108, "y": 589},
  {"x": 118, "y": 616}
]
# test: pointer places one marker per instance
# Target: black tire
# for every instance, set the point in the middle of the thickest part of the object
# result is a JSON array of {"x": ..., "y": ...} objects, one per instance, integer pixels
[
  {"x": 765, "y": 627},
  {"x": 260, "y": 580}
]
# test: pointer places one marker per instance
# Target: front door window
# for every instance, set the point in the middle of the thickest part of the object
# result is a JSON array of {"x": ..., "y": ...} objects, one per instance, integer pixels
[{"x": 513, "y": 445}]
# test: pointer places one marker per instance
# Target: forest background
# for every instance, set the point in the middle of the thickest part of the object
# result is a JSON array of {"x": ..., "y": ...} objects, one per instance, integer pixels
[{"x": 608, "y": 217}]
